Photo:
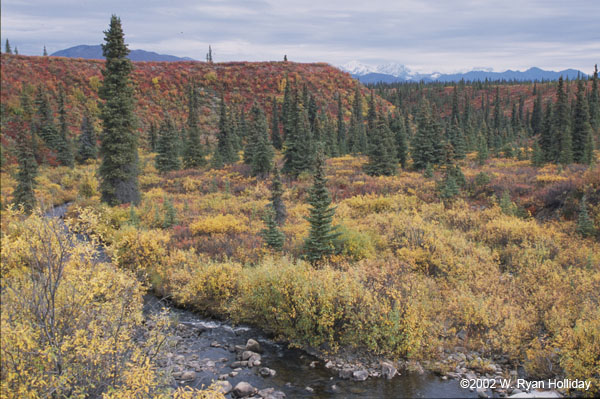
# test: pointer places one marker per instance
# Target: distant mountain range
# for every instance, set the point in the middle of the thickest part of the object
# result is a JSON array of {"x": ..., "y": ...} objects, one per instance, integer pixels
[
  {"x": 391, "y": 73},
  {"x": 95, "y": 53}
]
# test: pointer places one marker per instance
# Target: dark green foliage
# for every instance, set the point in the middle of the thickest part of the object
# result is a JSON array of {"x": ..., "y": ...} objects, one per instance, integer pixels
[
  {"x": 87, "y": 145},
  {"x": 209, "y": 57},
  {"x": 276, "y": 197},
  {"x": 7, "y": 48},
  {"x": 153, "y": 137},
  {"x": 456, "y": 138},
  {"x": 537, "y": 158},
  {"x": 341, "y": 128},
  {"x": 44, "y": 120},
  {"x": 427, "y": 143},
  {"x": 482, "y": 150},
  {"x": 595, "y": 102},
  {"x": 63, "y": 144},
  {"x": 167, "y": 158},
  {"x": 273, "y": 237},
  {"x": 45, "y": 52},
  {"x": 582, "y": 130},
  {"x": 259, "y": 147},
  {"x": 562, "y": 128},
  {"x": 170, "y": 215},
  {"x": 320, "y": 241},
  {"x": 299, "y": 149},
  {"x": 506, "y": 204},
  {"x": 275, "y": 134},
  {"x": 428, "y": 174},
  {"x": 482, "y": 179},
  {"x": 225, "y": 152},
  {"x": 193, "y": 154},
  {"x": 401, "y": 140},
  {"x": 119, "y": 169},
  {"x": 23, "y": 194},
  {"x": 371, "y": 115},
  {"x": 382, "y": 151},
  {"x": 585, "y": 226},
  {"x": 330, "y": 138},
  {"x": 547, "y": 142},
  {"x": 357, "y": 138},
  {"x": 134, "y": 218}
]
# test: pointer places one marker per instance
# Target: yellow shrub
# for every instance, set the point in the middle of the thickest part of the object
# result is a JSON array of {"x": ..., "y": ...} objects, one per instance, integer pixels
[{"x": 220, "y": 224}]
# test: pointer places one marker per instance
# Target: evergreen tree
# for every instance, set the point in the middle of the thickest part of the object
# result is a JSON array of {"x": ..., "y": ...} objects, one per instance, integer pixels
[
  {"x": 581, "y": 125},
  {"x": 44, "y": 121},
  {"x": 585, "y": 226},
  {"x": 287, "y": 117},
  {"x": 45, "y": 52},
  {"x": 298, "y": 151},
  {"x": 537, "y": 158},
  {"x": 456, "y": 138},
  {"x": 537, "y": 115},
  {"x": 371, "y": 115},
  {"x": 7, "y": 49},
  {"x": 357, "y": 138},
  {"x": 16, "y": 51},
  {"x": 167, "y": 158},
  {"x": 562, "y": 126},
  {"x": 482, "y": 150},
  {"x": 382, "y": 154},
  {"x": 428, "y": 174},
  {"x": 262, "y": 152},
  {"x": 273, "y": 237},
  {"x": 426, "y": 145},
  {"x": 320, "y": 241},
  {"x": 27, "y": 171},
  {"x": 547, "y": 142},
  {"x": 330, "y": 138},
  {"x": 401, "y": 141},
  {"x": 225, "y": 152},
  {"x": 170, "y": 218},
  {"x": 153, "y": 137},
  {"x": 341, "y": 128},
  {"x": 595, "y": 102},
  {"x": 209, "y": 57},
  {"x": 119, "y": 169},
  {"x": 277, "y": 197},
  {"x": 193, "y": 154},
  {"x": 275, "y": 135},
  {"x": 87, "y": 146},
  {"x": 64, "y": 152}
]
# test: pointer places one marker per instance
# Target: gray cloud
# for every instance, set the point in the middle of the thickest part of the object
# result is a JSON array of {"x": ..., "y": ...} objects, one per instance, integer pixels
[{"x": 432, "y": 35}]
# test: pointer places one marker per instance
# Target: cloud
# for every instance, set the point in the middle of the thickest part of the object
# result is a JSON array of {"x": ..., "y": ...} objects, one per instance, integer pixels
[{"x": 431, "y": 35}]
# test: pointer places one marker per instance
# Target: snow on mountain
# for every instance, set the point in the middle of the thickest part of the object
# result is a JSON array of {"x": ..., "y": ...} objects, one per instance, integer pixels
[{"x": 357, "y": 68}]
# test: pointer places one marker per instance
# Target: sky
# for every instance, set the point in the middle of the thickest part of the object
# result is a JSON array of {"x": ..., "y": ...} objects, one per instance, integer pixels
[{"x": 428, "y": 36}]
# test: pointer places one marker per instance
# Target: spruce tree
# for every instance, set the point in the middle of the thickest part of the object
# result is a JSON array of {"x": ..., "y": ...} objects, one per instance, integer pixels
[
  {"x": 330, "y": 138},
  {"x": 537, "y": 117},
  {"x": 581, "y": 125},
  {"x": 275, "y": 134},
  {"x": 273, "y": 237},
  {"x": 537, "y": 157},
  {"x": 595, "y": 102},
  {"x": 153, "y": 137},
  {"x": 547, "y": 142},
  {"x": 341, "y": 128},
  {"x": 320, "y": 241},
  {"x": 23, "y": 194},
  {"x": 427, "y": 143},
  {"x": 7, "y": 49},
  {"x": 44, "y": 120},
  {"x": 357, "y": 138},
  {"x": 562, "y": 132},
  {"x": 167, "y": 158},
  {"x": 225, "y": 152},
  {"x": 482, "y": 150},
  {"x": 45, "y": 52},
  {"x": 262, "y": 151},
  {"x": 119, "y": 169},
  {"x": 193, "y": 154},
  {"x": 585, "y": 226},
  {"x": 64, "y": 152},
  {"x": 371, "y": 115},
  {"x": 277, "y": 197},
  {"x": 298, "y": 151},
  {"x": 382, "y": 154},
  {"x": 87, "y": 146}
]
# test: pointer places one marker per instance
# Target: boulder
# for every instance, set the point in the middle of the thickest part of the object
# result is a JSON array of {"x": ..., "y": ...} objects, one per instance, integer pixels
[
  {"x": 267, "y": 372},
  {"x": 223, "y": 387},
  {"x": 360, "y": 375},
  {"x": 253, "y": 346},
  {"x": 388, "y": 370},
  {"x": 188, "y": 375},
  {"x": 346, "y": 373},
  {"x": 243, "y": 390},
  {"x": 247, "y": 354},
  {"x": 271, "y": 393}
]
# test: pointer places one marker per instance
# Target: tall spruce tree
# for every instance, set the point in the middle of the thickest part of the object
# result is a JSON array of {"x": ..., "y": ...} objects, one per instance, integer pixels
[
  {"x": 277, "y": 197},
  {"x": 427, "y": 143},
  {"x": 153, "y": 137},
  {"x": 63, "y": 148},
  {"x": 273, "y": 237},
  {"x": 547, "y": 142},
  {"x": 119, "y": 147},
  {"x": 275, "y": 134},
  {"x": 581, "y": 125},
  {"x": 225, "y": 152},
  {"x": 262, "y": 153},
  {"x": 167, "y": 158},
  {"x": 193, "y": 154},
  {"x": 382, "y": 151},
  {"x": 585, "y": 226},
  {"x": 87, "y": 146},
  {"x": 297, "y": 155},
  {"x": 562, "y": 133},
  {"x": 537, "y": 116},
  {"x": 44, "y": 119},
  {"x": 341, "y": 128},
  {"x": 320, "y": 241},
  {"x": 7, "y": 48},
  {"x": 23, "y": 195},
  {"x": 595, "y": 102},
  {"x": 357, "y": 138},
  {"x": 398, "y": 128}
]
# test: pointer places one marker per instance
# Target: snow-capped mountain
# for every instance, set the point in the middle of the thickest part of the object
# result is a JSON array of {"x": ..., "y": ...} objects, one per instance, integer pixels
[{"x": 393, "y": 72}]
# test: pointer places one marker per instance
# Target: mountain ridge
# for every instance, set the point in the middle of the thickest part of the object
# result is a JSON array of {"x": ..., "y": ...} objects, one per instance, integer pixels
[
  {"x": 94, "y": 52},
  {"x": 392, "y": 73}
]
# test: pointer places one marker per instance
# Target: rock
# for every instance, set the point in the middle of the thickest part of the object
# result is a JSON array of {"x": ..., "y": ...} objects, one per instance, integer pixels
[
  {"x": 239, "y": 348},
  {"x": 313, "y": 364},
  {"x": 236, "y": 364},
  {"x": 247, "y": 354},
  {"x": 215, "y": 344},
  {"x": 271, "y": 393},
  {"x": 346, "y": 373},
  {"x": 179, "y": 359},
  {"x": 309, "y": 389},
  {"x": 470, "y": 376},
  {"x": 388, "y": 370},
  {"x": 453, "y": 375},
  {"x": 188, "y": 375},
  {"x": 329, "y": 364},
  {"x": 537, "y": 394},
  {"x": 243, "y": 390},
  {"x": 253, "y": 346},
  {"x": 223, "y": 377},
  {"x": 209, "y": 364},
  {"x": 233, "y": 374},
  {"x": 335, "y": 388},
  {"x": 267, "y": 372},
  {"x": 254, "y": 360},
  {"x": 223, "y": 387},
  {"x": 360, "y": 375},
  {"x": 482, "y": 393},
  {"x": 444, "y": 377}
]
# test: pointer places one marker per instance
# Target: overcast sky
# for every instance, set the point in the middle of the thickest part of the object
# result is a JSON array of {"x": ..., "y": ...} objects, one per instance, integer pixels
[{"x": 427, "y": 36}]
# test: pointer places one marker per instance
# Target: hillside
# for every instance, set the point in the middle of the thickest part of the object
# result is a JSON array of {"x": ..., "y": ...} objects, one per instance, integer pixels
[{"x": 161, "y": 86}]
